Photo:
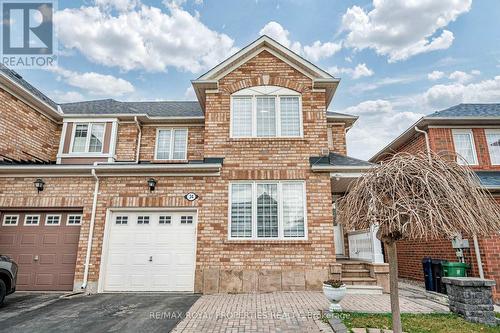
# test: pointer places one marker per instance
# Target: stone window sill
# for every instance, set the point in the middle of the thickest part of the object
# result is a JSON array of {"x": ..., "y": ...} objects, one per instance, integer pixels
[{"x": 271, "y": 140}]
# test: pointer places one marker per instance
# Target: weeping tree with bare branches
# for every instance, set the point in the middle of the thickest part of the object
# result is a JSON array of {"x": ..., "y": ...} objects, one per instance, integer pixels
[{"x": 418, "y": 197}]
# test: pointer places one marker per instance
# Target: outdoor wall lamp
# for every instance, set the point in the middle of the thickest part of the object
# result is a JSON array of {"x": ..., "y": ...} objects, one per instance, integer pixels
[
  {"x": 39, "y": 184},
  {"x": 152, "y": 184}
]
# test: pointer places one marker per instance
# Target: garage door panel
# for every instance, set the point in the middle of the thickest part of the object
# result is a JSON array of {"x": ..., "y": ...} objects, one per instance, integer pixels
[
  {"x": 136, "y": 243},
  {"x": 71, "y": 239},
  {"x": 50, "y": 239},
  {"x": 55, "y": 248},
  {"x": 28, "y": 239},
  {"x": 6, "y": 239},
  {"x": 44, "y": 279}
]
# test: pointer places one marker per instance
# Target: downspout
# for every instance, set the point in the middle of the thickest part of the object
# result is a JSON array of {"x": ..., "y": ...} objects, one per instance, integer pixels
[
  {"x": 139, "y": 137},
  {"x": 478, "y": 257},
  {"x": 427, "y": 144},
  {"x": 91, "y": 230}
]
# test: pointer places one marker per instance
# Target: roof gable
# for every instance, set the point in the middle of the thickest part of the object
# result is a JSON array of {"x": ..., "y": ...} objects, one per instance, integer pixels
[{"x": 265, "y": 43}]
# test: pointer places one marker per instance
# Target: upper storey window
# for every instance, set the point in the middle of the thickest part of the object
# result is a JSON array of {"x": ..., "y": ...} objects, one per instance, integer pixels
[
  {"x": 171, "y": 144},
  {"x": 266, "y": 111},
  {"x": 464, "y": 146},
  {"x": 88, "y": 138},
  {"x": 493, "y": 139}
]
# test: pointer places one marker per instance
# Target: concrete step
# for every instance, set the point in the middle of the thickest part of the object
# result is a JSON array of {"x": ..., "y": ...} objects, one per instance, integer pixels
[
  {"x": 355, "y": 273},
  {"x": 359, "y": 289},
  {"x": 360, "y": 280},
  {"x": 352, "y": 265}
]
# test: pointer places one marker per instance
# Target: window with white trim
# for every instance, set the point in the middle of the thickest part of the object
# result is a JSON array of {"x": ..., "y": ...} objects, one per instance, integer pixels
[
  {"x": 52, "y": 219},
  {"x": 165, "y": 219},
  {"x": 171, "y": 144},
  {"x": 31, "y": 219},
  {"x": 143, "y": 219},
  {"x": 267, "y": 210},
  {"x": 121, "y": 219},
  {"x": 88, "y": 138},
  {"x": 493, "y": 139},
  {"x": 74, "y": 219},
  {"x": 463, "y": 140},
  {"x": 266, "y": 111},
  {"x": 10, "y": 219}
]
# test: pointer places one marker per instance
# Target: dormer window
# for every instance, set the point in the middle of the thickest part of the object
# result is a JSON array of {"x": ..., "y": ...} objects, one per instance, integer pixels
[
  {"x": 266, "y": 112},
  {"x": 88, "y": 138}
]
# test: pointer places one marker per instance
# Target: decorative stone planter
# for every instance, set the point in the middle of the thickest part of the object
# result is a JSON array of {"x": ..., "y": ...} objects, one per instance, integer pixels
[{"x": 334, "y": 295}]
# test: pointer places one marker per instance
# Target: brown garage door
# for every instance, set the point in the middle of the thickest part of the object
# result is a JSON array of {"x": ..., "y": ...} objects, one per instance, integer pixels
[{"x": 44, "y": 245}]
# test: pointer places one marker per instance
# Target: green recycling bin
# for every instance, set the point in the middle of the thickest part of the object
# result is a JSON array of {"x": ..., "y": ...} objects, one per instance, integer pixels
[{"x": 455, "y": 269}]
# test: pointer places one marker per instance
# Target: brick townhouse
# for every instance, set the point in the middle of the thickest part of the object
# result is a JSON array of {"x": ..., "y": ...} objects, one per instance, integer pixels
[
  {"x": 470, "y": 133},
  {"x": 233, "y": 192}
]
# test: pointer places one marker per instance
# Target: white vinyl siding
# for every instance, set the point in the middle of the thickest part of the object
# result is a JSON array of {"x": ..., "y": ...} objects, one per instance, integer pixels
[
  {"x": 85, "y": 143},
  {"x": 266, "y": 112},
  {"x": 267, "y": 210},
  {"x": 493, "y": 139},
  {"x": 171, "y": 144},
  {"x": 464, "y": 146}
]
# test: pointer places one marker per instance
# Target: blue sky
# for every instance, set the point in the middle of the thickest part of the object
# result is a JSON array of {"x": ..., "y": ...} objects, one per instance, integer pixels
[{"x": 398, "y": 59}]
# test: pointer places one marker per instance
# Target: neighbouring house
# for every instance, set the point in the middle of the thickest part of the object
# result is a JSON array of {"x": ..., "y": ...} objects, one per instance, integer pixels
[
  {"x": 471, "y": 134},
  {"x": 233, "y": 192}
]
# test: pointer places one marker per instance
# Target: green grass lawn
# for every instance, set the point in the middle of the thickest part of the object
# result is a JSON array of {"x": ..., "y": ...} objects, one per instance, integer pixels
[{"x": 417, "y": 323}]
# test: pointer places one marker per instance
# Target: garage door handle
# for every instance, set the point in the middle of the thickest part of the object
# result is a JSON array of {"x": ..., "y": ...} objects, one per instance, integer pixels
[
  {"x": 35, "y": 258},
  {"x": 150, "y": 258}
]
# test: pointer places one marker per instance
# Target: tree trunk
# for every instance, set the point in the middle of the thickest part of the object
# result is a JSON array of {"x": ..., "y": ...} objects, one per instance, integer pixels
[{"x": 392, "y": 257}]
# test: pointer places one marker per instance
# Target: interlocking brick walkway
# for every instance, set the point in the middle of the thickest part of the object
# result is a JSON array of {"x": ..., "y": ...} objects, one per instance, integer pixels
[
  {"x": 283, "y": 311},
  {"x": 269, "y": 312}
]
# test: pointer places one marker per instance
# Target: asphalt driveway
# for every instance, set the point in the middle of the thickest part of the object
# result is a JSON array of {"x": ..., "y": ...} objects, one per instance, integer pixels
[{"x": 118, "y": 312}]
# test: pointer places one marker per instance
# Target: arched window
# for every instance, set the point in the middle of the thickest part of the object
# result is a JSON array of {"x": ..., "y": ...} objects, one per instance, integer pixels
[{"x": 266, "y": 111}]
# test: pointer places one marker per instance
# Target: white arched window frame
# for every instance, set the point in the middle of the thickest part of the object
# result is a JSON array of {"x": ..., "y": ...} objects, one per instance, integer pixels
[{"x": 252, "y": 94}]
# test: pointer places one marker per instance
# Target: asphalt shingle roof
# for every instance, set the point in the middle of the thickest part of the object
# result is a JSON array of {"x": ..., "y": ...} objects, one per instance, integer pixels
[
  {"x": 153, "y": 109},
  {"x": 338, "y": 160},
  {"x": 17, "y": 78},
  {"x": 489, "y": 178},
  {"x": 469, "y": 110}
]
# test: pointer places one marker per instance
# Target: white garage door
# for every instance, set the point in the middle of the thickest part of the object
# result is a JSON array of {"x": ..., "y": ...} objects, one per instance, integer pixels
[{"x": 150, "y": 251}]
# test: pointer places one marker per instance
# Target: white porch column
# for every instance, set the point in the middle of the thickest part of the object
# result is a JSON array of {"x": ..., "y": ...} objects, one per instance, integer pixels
[{"x": 377, "y": 256}]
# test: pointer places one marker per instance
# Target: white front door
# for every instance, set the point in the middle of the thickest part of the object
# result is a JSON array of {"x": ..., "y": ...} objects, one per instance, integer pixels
[
  {"x": 338, "y": 239},
  {"x": 150, "y": 251}
]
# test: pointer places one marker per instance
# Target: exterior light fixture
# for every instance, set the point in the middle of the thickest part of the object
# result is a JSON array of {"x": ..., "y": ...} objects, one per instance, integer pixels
[
  {"x": 152, "y": 184},
  {"x": 39, "y": 184}
]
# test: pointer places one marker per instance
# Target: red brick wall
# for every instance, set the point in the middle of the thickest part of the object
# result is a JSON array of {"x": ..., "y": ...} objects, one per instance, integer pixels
[
  {"x": 261, "y": 159},
  {"x": 337, "y": 143},
  {"x": 411, "y": 253},
  {"x": 25, "y": 131}
]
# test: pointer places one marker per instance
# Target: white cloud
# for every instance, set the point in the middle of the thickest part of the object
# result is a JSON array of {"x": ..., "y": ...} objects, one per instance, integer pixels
[
  {"x": 463, "y": 77},
  {"x": 435, "y": 75},
  {"x": 319, "y": 50},
  {"x": 67, "y": 96},
  {"x": 142, "y": 37},
  {"x": 95, "y": 83},
  {"x": 120, "y": 5},
  {"x": 357, "y": 72},
  {"x": 442, "y": 96},
  {"x": 401, "y": 29},
  {"x": 313, "y": 52},
  {"x": 189, "y": 94},
  {"x": 379, "y": 123}
]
